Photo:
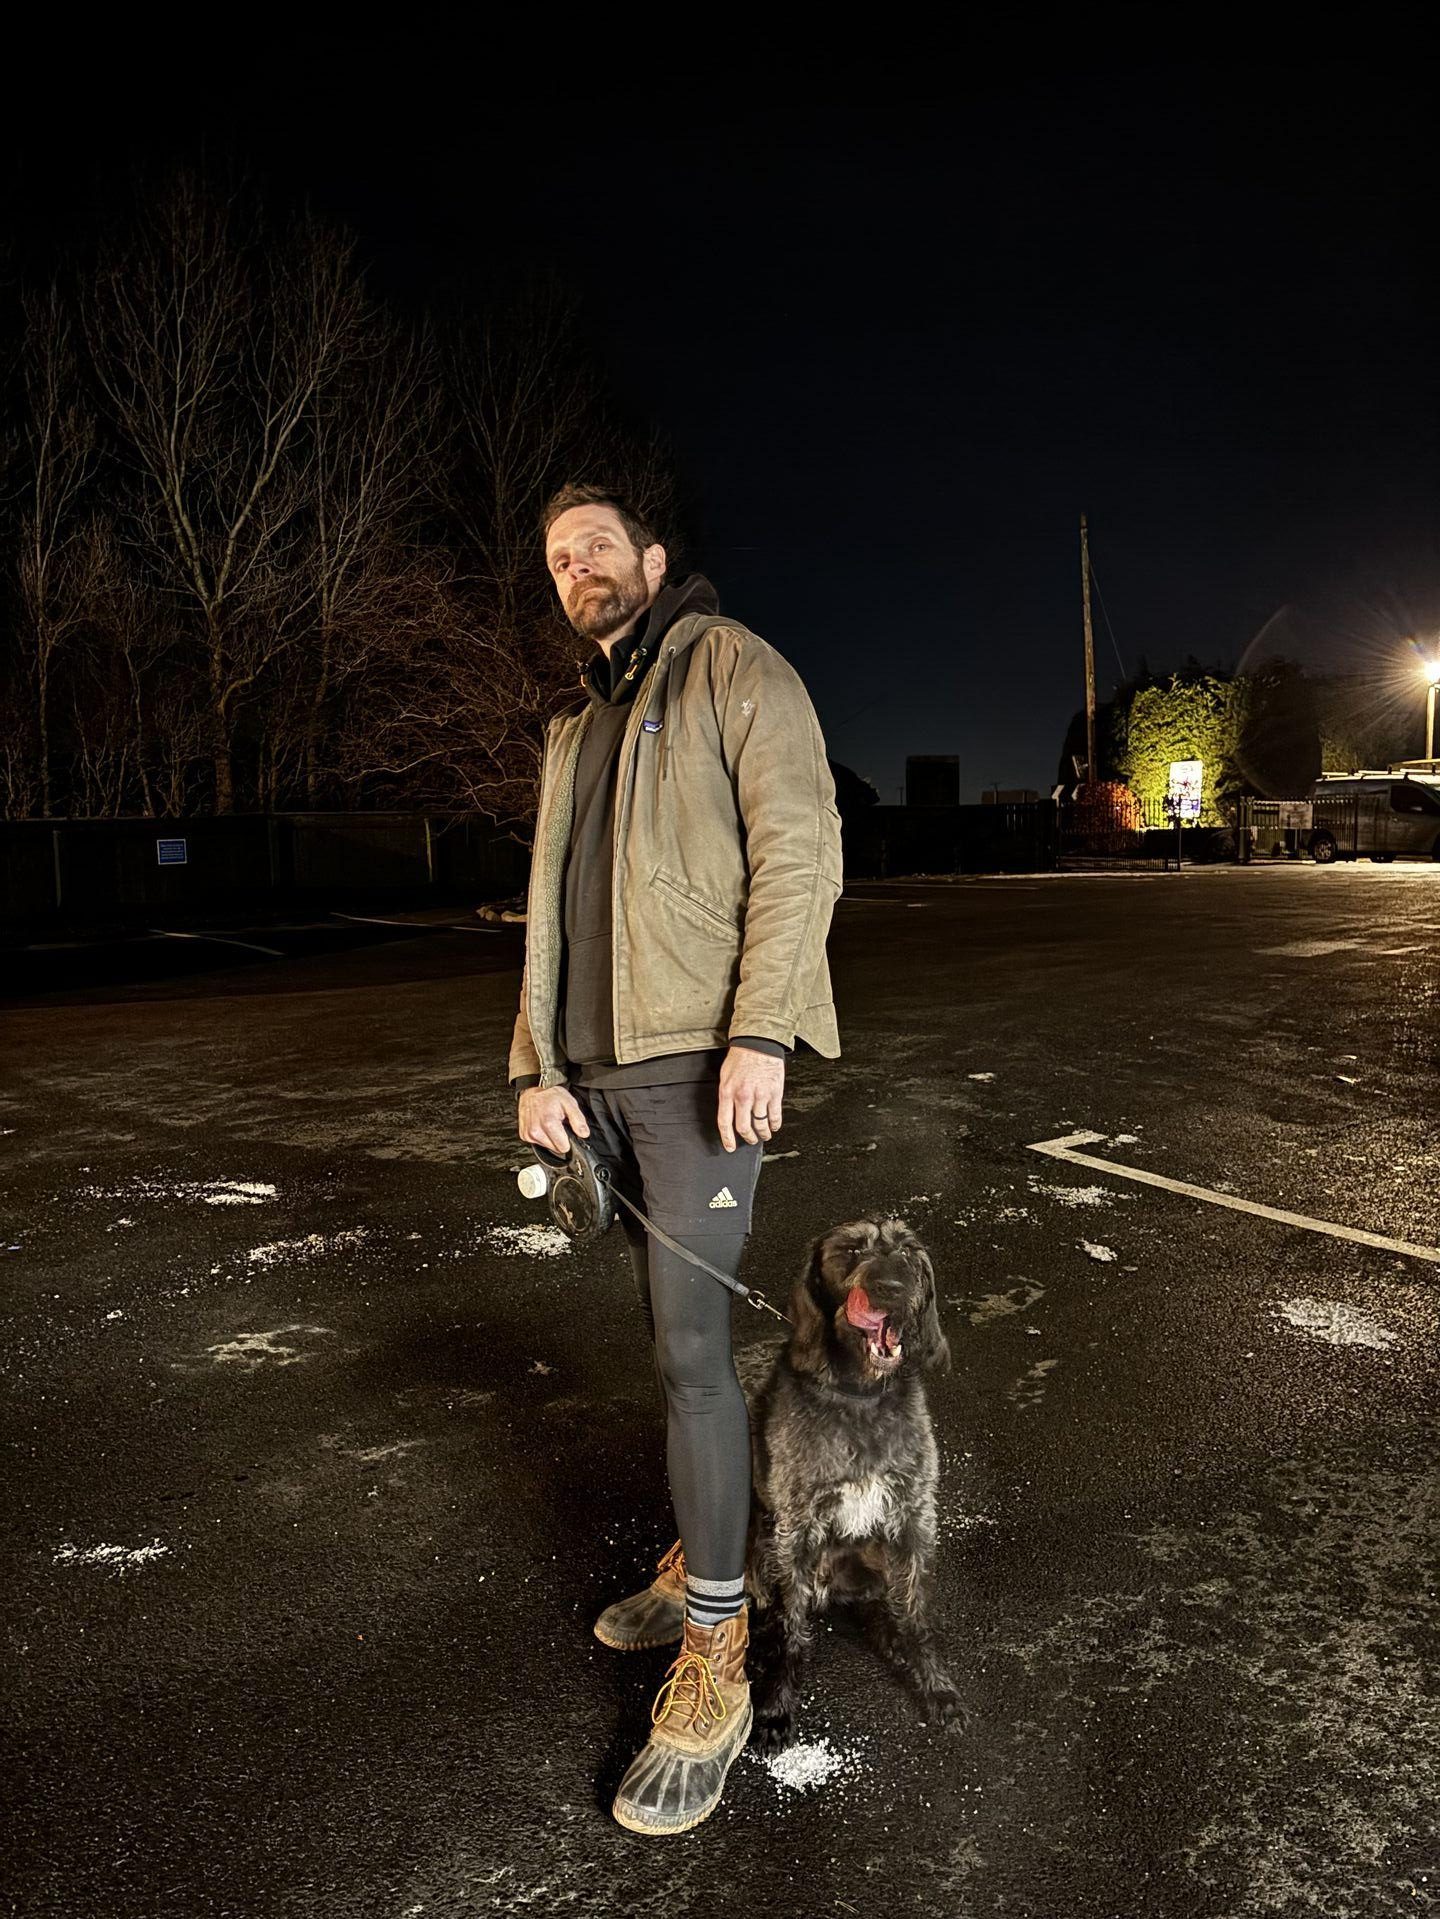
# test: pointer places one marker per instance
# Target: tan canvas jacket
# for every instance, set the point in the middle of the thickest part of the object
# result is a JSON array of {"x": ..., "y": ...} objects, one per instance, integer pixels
[{"x": 727, "y": 859}]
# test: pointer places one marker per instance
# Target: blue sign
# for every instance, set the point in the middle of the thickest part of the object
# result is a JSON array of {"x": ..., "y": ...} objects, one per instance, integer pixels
[{"x": 171, "y": 853}]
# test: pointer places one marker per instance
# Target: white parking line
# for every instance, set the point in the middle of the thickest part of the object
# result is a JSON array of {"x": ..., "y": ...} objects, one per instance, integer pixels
[
  {"x": 1063, "y": 1149},
  {"x": 367, "y": 919},
  {"x": 422, "y": 926},
  {"x": 217, "y": 939}
]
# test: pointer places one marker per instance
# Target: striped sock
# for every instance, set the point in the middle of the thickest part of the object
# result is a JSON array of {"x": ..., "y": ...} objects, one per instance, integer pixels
[{"x": 708, "y": 1601}]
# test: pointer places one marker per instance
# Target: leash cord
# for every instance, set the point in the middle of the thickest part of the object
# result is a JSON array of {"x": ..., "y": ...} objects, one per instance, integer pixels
[{"x": 738, "y": 1287}]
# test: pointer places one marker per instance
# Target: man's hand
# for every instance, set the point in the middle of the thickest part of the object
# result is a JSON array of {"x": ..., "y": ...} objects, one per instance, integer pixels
[
  {"x": 543, "y": 1116},
  {"x": 752, "y": 1090}
]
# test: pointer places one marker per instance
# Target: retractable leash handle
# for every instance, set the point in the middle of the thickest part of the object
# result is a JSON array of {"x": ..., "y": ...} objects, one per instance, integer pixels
[{"x": 582, "y": 1196}]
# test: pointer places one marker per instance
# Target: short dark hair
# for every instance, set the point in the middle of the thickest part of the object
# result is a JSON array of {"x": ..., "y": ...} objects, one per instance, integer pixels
[{"x": 638, "y": 529}]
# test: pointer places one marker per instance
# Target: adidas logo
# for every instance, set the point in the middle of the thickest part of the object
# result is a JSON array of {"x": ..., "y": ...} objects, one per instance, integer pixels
[{"x": 724, "y": 1198}]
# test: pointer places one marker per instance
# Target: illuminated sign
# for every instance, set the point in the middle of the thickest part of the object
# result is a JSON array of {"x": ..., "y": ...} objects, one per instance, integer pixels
[
  {"x": 171, "y": 853},
  {"x": 1182, "y": 801}
]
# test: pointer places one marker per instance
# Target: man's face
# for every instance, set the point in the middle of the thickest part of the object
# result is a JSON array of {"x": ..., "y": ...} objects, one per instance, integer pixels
[{"x": 602, "y": 581}]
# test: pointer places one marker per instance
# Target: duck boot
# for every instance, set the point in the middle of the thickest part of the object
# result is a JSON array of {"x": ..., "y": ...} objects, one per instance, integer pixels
[
  {"x": 655, "y": 1617},
  {"x": 700, "y": 1724}
]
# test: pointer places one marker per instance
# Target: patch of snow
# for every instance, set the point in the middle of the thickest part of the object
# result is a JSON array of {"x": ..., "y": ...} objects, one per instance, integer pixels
[
  {"x": 117, "y": 1560},
  {"x": 253, "y": 1349},
  {"x": 214, "y": 1192},
  {"x": 1336, "y": 1323},
  {"x": 984, "y": 1078},
  {"x": 1310, "y": 949},
  {"x": 236, "y": 1192},
  {"x": 307, "y": 1248},
  {"x": 541, "y": 1242},
  {"x": 372, "y": 1455},
  {"x": 953, "y": 1525},
  {"x": 815, "y": 1762},
  {"x": 1073, "y": 1195},
  {"x": 1124, "y": 1139},
  {"x": 1103, "y": 1253},
  {"x": 994, "y": 1306},
  {"x": 1029, "y": 1390}
]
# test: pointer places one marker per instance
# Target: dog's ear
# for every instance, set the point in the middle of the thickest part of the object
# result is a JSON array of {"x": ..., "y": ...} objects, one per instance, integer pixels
[
  {"x": 934, "y": 1346},
  {"x": 808, "y": 1320}
]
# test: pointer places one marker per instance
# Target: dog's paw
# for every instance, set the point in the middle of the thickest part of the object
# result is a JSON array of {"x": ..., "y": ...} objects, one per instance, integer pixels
[
  {"x": 773, "y": 1732},
  {"x": 943, "y": 1706}
]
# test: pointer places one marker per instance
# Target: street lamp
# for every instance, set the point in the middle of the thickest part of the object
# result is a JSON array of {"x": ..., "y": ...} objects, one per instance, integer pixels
[{"x": 1432, "y": 674}]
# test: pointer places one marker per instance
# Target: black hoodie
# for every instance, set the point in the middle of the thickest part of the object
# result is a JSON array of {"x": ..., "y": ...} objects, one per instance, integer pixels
[{"x": 587, "y": 1024}]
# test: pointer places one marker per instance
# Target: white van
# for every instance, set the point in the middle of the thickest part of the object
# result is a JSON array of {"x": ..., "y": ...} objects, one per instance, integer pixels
[{"x": 1377, "y": 816}]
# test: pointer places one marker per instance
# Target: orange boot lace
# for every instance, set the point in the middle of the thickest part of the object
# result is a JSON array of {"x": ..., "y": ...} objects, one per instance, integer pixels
[{"x": 691, "y": 1693}]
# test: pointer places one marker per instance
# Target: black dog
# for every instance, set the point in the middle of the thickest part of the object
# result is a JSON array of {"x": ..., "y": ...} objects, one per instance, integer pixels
[{"x": 845, "y": 1463}]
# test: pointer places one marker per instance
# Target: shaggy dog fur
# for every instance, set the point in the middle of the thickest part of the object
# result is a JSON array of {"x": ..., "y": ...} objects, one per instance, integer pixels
[{"x": 845, "y": 1466}]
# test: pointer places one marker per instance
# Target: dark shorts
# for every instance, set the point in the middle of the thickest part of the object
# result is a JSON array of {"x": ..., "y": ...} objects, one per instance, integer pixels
[{"x": 664, "y": 1153}]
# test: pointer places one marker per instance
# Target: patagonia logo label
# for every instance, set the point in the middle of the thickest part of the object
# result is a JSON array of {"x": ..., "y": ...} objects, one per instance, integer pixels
[{"x": 651, "y": 726}]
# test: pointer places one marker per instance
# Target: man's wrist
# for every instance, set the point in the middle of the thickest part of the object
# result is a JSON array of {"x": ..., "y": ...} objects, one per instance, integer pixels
[
  {"x": 522, "y": 1081},
  {"x": 777, "y": 1049}
]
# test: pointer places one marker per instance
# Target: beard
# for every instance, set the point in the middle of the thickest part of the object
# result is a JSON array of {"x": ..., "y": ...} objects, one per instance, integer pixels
[{"x": 601, "y": 607}]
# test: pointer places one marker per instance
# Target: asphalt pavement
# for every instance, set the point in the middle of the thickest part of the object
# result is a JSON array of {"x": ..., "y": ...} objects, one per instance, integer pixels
[{"x": 324, "y": 1452}]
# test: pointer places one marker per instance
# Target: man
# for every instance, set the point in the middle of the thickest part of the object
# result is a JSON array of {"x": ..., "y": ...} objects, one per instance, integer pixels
[{"x": 686, "y": 865}]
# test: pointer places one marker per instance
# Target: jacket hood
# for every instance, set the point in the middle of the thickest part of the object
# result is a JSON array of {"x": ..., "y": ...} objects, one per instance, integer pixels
[{"x": 610, "y": 682}]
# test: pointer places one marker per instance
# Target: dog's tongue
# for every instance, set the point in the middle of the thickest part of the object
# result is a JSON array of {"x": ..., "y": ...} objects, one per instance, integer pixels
[{"x": 859, "y": 1311}]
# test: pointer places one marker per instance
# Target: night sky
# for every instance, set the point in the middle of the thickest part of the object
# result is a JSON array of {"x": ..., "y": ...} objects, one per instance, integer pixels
[{"x": 900, "y": 334}]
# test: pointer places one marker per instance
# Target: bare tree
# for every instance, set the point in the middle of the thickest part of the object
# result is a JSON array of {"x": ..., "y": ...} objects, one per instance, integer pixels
[
  {"x": 55, "y": 545},
  {"x": 210, "y": 341},
  {"x": 128, "y": 653},
  {"x": 19, "y": 765},
  {"x": 102, "y": 747},
  {"x": 176, "y": 748},
  {"x": 291, "y": 552},
  {"x": 452, "y": 723},
  {"x": 376, "y": 434},
  {"x": 462, "y": 723}
]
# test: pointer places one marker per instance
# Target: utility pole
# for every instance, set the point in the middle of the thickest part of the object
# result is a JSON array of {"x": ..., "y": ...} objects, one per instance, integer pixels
[{"x": 1091, "y": 771}]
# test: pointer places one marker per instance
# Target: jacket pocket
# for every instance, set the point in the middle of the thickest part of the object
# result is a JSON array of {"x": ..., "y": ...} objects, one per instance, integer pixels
[{"x": 708, "y": 918}]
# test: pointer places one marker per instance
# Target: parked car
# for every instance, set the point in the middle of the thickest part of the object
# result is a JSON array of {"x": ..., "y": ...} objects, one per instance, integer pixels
[{"x": 1377, "y": 816}]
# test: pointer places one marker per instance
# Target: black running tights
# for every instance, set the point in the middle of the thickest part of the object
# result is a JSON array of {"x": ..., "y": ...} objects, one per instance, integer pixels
[
  {"x": 664, "y": 1154},
  {"x": 707, "y": 1425}
]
